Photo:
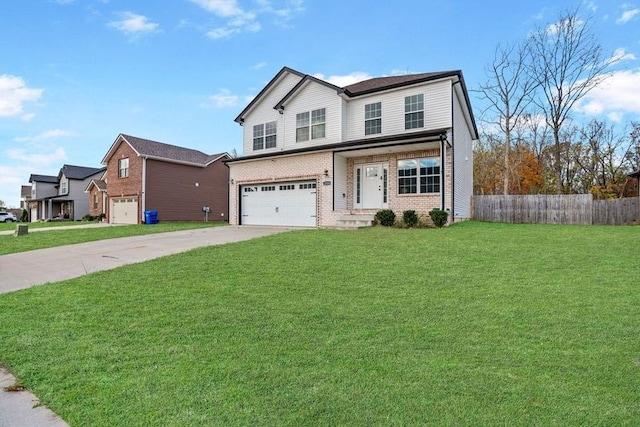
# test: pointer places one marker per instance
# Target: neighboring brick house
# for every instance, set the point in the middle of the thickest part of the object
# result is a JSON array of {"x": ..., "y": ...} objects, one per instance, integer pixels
[
  {"x": 314, "y": 152},
  {"x": 97, "y": 190},
  {"x": 62, "y": 196},
  {"x": 144, "y": 175}
]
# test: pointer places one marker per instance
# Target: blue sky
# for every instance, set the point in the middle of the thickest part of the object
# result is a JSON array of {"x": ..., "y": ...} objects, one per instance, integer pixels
[{"x": 76, "y": 73}]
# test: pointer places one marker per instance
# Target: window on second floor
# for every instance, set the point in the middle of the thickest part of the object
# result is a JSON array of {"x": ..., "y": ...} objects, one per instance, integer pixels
[
  {"x": 123, "y": 168},
  {"x": 63, "y": 187},
  {"x": 373, "y": 118},
  {"x": 414, "y": 111},
  {"x": 310, "y": 125},
  {"x": 264, "y": 136}
]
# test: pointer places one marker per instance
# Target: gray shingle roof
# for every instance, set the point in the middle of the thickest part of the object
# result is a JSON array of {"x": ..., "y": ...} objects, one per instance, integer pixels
[
  {"x": 43, "y": 178},
  {"x": 383, "y": 83},
  {"x": 78, "y": 172},
  {"x": 160, "y": 150}
]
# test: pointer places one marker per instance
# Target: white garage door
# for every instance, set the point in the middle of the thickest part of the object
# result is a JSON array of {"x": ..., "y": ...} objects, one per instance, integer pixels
[
  {"x": 124, "y": 210},
  {"x": 287, "y": 203}
]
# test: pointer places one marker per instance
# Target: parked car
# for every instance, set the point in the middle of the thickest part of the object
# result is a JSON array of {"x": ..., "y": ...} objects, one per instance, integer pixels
[{"x": 7, "y": 217}]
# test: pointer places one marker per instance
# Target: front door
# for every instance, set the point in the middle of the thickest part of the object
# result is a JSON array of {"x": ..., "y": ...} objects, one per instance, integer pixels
[{"x": 373, "y": 186}]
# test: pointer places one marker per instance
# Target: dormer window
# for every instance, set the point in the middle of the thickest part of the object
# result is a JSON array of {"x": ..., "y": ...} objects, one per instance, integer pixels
[{"x": 314, "y": 128}]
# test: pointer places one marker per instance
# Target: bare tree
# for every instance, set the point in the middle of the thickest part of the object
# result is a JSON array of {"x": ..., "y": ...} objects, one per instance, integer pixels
[
  {"x": 567, "y": 63},
  {"x": 509, "y": 91}
]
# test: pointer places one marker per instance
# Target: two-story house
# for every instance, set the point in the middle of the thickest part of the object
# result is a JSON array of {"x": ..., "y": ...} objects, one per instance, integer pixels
[
  {"x": 177, "y": 182},
  {"x": 314, "y": 152},
  {"x": 43, "y": 188},
  {"x": 61, "y": 196}
]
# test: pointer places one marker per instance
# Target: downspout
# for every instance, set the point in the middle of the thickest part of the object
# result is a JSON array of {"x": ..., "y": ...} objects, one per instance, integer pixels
[
  {"x": 453, "y": 157},
  {"x": 443, "y": 158},
  {"x": 143, "y": 196}
]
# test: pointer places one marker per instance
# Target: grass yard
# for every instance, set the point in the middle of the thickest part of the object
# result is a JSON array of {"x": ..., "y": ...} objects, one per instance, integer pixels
[
  {"x": 52, "y": 238},
  {"x": 475, "y": 324}
]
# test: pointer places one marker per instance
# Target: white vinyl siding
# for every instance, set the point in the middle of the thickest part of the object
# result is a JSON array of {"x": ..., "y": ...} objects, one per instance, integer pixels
[
  {"x": 264, "y": 112},
  {"x": 437, "y": 110},
  {"x": 462, "y": 164},
  {"x": 313, "y": 97}
]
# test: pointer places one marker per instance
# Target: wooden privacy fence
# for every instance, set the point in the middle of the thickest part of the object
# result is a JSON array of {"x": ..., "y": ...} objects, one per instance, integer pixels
[{"x": 556, "y": 209}]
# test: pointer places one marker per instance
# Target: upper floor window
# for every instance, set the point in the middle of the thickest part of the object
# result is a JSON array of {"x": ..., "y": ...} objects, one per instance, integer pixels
[
  {"x": 63, "y": 187},
  {"x": 264, "y": 135},
  {"x": 414, "y": 111},
  {"x": 373, "y": 118},
  {"x": 419, "y": 176},
  {"x": 310, "y": 125},
  {"x": 123, "y": 168}
]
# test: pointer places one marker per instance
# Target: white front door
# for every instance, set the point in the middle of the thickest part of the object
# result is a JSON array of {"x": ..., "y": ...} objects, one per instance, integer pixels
[{"x": 373, "y": 186}]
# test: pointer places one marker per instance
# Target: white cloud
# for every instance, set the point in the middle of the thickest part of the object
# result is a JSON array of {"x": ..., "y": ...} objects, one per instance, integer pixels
[
  {"x": 223, "y": 8},
  {"x": 239, "y": 20},
  {"x": 617, "y": 96},
  {"x": 592, "y": 6},
  {"x": 224, "y": 99},
  {"x": 620, "y": 55},
  {"x": 627, "y": 16},
  {"x": 37, "y": 159},
  {"x": 133, "y": 24},
  {"x": 50, "y": 134},
  {"x": 344, "y": 80},
  {"x": 13, "y": 94},
  {"x": 260, "y": 65}
]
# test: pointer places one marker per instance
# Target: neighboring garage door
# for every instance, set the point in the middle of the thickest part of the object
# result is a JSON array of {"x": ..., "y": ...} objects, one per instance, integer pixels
[
  {"x": 124, "y": 210},
  {"x": 286, "y": 203}
]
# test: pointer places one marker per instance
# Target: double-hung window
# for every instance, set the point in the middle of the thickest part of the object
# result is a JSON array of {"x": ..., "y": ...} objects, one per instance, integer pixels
[
  {"x": 123, "y": 168},
  {"x": 310, "y": 125},
  {"x": 373, "y": 118},
  {"x": 270, "y": 131},
  {"x": 264, "y": 135},
  {"x": 419, "y": 176},
  {"x": 414, "y": 111}
]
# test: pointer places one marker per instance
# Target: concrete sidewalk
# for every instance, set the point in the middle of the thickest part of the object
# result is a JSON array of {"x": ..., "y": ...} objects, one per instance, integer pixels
[
  {"x": 23, "y": 270},
  {"x": 61, "y": 227}
]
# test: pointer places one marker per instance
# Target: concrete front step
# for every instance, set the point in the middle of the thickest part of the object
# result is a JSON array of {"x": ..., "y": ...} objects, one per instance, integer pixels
[{"x": 354, "y": 221}]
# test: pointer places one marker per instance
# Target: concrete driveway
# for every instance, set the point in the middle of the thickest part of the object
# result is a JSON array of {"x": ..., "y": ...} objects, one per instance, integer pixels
[{"x": 23, "y": 270}]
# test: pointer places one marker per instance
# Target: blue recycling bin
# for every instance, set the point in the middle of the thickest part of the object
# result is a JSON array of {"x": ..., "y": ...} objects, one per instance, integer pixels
[{"x": 150, "y": 217}]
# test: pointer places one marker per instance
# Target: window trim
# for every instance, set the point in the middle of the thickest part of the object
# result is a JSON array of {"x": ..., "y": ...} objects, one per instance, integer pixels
[
  {"x": 414, "y": 111},
  {"x": 309, "y": 124},
  {"x": 123, "y": 167},
  {"x": 419, "y": 180},
  {"x": 373, "y": 118},
  {"x": 265, "y": 135}
]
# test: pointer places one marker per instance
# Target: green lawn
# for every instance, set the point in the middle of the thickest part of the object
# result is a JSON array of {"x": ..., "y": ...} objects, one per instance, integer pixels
[
  {"x": 52, "y": 238},
  {"x": 475, "y": 324}
]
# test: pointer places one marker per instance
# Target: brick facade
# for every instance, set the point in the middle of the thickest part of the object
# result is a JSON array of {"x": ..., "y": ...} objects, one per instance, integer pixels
[{"x": 313, "y": 165}]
